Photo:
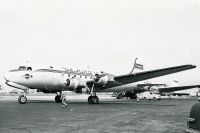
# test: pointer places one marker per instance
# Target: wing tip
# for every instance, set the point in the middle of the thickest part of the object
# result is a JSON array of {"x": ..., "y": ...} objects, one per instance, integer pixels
[{"x": 191, "y": 66}]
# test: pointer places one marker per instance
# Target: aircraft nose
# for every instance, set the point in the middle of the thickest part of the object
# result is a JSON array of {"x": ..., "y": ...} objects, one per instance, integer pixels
[{"x": 7, "y": 76}]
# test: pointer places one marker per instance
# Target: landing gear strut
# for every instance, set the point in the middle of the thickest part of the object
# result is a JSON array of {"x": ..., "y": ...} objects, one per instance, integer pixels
[
  {"x": 22, "y": 99},
  {"x": 93, "y": 99},
  {"x": 57, "y": 98}
]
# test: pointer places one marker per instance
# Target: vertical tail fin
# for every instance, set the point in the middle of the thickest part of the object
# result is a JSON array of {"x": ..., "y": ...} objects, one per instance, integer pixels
[{"x": 136, "y": 66}]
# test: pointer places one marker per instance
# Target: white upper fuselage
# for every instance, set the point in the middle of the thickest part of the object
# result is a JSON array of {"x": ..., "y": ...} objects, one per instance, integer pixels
[{"x": 53, "y": 80}]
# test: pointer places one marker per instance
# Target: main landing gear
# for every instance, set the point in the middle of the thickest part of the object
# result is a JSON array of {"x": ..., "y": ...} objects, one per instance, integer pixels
[
  {"x": 57, "y": 98},
  {"x": 22, "y": 99},
  {"x": 93, "y": 100}
]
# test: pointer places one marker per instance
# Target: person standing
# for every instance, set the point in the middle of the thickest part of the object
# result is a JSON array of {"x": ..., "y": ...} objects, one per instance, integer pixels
[{"x": 63, "y": 98}]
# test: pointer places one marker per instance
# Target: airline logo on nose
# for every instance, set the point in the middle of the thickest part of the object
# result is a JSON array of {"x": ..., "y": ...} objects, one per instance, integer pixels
[{"x": 27, "y": 76}]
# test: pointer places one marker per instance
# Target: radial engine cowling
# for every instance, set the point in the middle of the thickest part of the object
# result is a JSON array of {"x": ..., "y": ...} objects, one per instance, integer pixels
[
  {"x": 101, "y": 81},
  {"x": 72, "y": 84}
]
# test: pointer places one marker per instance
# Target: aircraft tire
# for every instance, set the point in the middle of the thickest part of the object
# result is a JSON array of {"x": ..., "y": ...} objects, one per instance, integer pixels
[
  {"x": 57, "y": 99},
  {"x": 93, "y": 100},
  {"x": 90, "y": 100},
  {"x": 96, "y": 99},
  {"x": 22, "y": 99}
]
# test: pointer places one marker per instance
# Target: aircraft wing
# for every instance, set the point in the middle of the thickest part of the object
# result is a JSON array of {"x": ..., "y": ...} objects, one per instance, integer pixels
[
  {"x": 171, "y": 89},
  {"x": 131, "y": 78}
]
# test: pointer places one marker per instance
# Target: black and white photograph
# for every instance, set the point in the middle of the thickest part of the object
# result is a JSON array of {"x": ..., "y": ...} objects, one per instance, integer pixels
[{"x": 100, "y": 66}]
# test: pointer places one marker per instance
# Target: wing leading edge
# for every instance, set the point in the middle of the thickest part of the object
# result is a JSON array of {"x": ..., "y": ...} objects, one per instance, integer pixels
[{"x": 131, "y": 78}]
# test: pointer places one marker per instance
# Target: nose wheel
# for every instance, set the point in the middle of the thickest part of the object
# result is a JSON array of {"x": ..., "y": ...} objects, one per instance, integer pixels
[
  {"x": 93, "y": 100},
  {"x": 22, "y": 99}
]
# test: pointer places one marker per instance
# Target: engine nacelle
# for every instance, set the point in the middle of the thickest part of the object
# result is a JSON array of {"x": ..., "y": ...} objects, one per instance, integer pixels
[
  {"x": 102, "y": 81},
  {"x": 71, "y": 84}
]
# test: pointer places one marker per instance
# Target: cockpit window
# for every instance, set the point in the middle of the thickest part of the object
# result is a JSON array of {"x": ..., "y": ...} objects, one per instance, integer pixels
[
  {"x": 25, "y": 68},
  {"x": 22, "y": 68},
  {"x": 29, "y": 68}
]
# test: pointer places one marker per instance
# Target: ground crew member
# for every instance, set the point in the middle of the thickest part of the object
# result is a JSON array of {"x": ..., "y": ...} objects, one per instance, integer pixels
[{"x": 63, "y": 98}]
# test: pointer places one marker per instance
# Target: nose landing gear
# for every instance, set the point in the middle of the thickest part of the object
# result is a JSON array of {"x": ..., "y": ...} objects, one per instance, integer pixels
[{"x": 22, "y": 98}]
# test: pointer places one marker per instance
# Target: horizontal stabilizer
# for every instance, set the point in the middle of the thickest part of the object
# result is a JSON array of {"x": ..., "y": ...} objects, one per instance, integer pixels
[{"x": 171, "y": 89}]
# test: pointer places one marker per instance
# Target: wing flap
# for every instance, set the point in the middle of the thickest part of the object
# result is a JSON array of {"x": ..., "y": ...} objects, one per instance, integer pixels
[{"x": 131, "y": 78}]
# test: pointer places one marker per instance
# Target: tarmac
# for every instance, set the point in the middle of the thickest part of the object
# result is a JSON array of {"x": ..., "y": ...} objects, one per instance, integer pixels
[{"x": 42, "y": 115}]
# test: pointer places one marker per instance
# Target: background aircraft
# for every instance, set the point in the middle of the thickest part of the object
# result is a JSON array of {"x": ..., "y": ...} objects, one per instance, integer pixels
[
  {"x": 158, "y": 88},
  {"x": 50, "y": 80}
]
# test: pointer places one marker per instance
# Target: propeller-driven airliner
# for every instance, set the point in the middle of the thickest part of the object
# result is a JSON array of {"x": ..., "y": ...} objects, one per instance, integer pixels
[{"x": 53, "y": 80}]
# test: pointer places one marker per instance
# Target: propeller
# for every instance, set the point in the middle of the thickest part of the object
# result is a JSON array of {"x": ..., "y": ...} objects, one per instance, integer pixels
[
  {"x": 67, "y": 82},
  {"x": 99, "y": 76}
]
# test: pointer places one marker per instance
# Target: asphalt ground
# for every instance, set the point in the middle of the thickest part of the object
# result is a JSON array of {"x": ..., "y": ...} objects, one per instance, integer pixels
[{"x": 43, "y": 115}]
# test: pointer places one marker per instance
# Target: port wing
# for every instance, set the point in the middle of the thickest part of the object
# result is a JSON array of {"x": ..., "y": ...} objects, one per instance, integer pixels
[{"x": 131, "y": 78}]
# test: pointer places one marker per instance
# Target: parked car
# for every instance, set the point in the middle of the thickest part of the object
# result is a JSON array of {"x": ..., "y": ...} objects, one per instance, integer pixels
[{"x": 149, "y": 95}]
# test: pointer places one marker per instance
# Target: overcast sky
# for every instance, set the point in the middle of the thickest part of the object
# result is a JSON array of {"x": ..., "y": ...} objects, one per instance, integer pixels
[{"x": 102, "y": 34}]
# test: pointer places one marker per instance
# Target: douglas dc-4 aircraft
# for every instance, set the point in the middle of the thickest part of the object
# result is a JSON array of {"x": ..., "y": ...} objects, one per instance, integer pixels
[{"x": 51, "y": 80}]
